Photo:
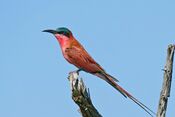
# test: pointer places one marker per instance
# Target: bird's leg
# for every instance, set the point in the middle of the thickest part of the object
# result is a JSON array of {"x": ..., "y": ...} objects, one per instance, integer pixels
[
  {"x": 77, "y": 71},
  {"x": 80, "y": 69}
]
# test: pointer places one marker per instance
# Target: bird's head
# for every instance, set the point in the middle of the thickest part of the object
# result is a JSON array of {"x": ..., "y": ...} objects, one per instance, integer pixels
[{"x": 62, "y": 34}]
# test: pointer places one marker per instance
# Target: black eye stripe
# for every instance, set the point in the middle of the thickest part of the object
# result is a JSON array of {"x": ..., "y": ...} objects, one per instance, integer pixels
[{"x": 64, "y": 33}]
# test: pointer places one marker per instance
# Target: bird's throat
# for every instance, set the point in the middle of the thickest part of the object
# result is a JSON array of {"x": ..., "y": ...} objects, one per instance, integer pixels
[{"x": 62, "y": 39}]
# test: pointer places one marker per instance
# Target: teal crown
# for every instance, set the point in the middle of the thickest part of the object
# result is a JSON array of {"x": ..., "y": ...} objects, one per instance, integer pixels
[{"x": 64, "y": 31}]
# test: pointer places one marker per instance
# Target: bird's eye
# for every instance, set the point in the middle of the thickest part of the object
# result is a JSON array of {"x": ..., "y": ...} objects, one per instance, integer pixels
[{"x": 65, "y": 33}]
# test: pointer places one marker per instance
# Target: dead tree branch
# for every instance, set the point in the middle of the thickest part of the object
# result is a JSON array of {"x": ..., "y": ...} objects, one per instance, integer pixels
[
  {"x": 81, "y": 96},
  {"x": 167, "y": 77}
]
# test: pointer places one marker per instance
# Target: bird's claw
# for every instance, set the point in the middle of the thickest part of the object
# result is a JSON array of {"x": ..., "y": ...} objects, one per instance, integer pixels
[{"x": 76, "y": 71}]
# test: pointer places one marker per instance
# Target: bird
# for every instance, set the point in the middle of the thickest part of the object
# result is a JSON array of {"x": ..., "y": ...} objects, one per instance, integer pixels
[{"x": 76, "y": 54}]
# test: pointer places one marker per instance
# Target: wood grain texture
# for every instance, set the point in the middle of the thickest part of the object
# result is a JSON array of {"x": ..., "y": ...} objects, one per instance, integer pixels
[
  {"x": 167, "y": 78},
  {"x": 81, "y": 96}
]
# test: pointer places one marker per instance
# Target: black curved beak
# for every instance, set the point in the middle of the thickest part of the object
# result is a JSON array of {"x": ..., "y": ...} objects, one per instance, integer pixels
[{"x": 50, "y": 31}]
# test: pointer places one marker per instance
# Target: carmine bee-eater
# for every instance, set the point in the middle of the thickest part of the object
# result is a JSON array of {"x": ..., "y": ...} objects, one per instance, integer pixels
[{"x": 75, "y": 54}]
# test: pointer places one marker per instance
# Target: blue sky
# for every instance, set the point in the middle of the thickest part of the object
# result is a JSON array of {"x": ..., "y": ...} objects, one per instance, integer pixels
[{"x": 128, "y": 38}]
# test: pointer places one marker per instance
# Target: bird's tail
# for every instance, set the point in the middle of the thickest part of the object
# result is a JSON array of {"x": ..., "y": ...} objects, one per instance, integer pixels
[{"x": 111, "y": 80}]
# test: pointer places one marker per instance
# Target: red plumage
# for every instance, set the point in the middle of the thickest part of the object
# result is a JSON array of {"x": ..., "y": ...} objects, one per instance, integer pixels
[{"x": 75, "y": 54}]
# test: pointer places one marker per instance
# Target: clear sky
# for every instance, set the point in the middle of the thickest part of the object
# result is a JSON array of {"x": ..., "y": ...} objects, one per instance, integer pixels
[{"x": 128, "y": 38}]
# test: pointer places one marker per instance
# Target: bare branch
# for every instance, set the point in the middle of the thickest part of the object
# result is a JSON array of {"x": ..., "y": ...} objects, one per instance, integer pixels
[
  {"x": 81, "y": 96},
  {"x": 165, "y": 93}
]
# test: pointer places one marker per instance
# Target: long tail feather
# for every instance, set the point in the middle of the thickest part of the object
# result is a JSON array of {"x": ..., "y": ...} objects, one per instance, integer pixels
[
  {"x": 104, "y": 75},
  {"x": 111, "y": 81},
  {"x": 109, "y": 76}
]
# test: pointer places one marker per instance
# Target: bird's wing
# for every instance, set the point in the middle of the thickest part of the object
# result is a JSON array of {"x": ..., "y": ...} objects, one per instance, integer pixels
[{"x": 81, "y": 59}]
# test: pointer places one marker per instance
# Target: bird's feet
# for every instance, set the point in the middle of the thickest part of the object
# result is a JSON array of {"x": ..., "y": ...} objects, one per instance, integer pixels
[{"x": 76, "y": 71}]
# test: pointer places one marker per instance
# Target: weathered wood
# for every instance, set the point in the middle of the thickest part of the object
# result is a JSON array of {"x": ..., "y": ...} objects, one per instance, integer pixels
[
  {"x": 81, "y": 96},
  {"x": 167, "y": 77}
]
